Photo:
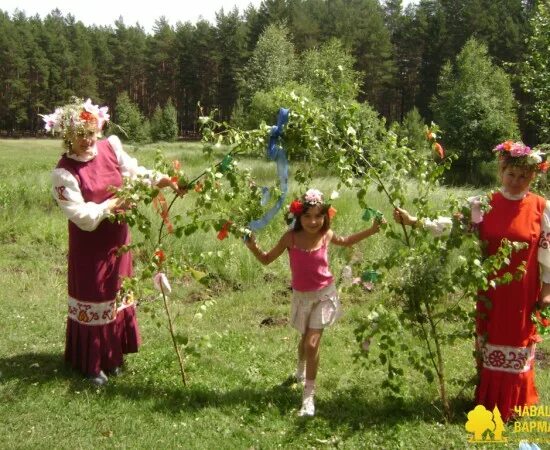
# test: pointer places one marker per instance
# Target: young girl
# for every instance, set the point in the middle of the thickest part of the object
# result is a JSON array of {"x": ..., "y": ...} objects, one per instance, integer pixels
[{"x": 315, "y": 303}]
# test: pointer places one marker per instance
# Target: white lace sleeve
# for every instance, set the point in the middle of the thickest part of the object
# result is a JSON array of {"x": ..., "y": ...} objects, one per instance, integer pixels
[
  {"x": 544, "y": 245},
  {"x": 442, "y": 225},
  {"x": 66, "y": 191},
  {"x": 438, "y": 227},
  {"x": 129, "y": 167}
]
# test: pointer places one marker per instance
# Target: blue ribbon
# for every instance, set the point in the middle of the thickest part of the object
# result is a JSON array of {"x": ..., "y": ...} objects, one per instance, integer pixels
[
  {"x": 277, "y": 154},
  {"x": 528, "y": 446}
]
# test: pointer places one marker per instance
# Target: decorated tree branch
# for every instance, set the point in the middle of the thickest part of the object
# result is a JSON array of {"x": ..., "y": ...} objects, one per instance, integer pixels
[
  {"x": 432, "y": 281},
  {"x": 226, "y": 200}
]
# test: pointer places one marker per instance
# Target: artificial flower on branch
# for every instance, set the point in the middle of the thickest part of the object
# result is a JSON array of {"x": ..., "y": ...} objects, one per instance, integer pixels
[{"x": 432, "y": 135}]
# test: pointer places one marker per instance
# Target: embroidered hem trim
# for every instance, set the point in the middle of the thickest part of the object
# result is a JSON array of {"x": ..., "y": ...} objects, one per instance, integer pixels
[
  {"x": 504, "y": 358},
  {"x": 103, "y": 313}
]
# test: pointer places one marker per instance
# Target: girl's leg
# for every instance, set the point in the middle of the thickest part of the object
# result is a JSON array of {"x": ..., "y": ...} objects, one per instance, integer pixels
[
  {"x": 312, "y": 340},
  {"x": 311, "y": 349},
  {"x": 301, "y": 366}
]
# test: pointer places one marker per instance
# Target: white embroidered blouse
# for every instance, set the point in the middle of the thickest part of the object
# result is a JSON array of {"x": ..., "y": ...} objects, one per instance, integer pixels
[
  {"x": 442, "y": 226},
  {"x": 88, "y": 215}
]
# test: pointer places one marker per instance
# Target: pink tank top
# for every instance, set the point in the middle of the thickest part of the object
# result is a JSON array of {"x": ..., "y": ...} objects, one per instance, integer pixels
[{"x": 309, "y": 268}]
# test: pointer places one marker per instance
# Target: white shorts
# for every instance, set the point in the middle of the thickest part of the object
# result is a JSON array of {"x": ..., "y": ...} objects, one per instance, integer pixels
[{"x": 315, "y": 309}]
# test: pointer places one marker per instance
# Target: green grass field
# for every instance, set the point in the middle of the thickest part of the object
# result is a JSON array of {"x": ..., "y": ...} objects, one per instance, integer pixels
[{"x": 235, "y": 398}]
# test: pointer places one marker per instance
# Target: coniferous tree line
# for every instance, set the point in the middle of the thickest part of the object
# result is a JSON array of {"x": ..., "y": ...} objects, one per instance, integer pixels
[{"x": 398, "y": 56}]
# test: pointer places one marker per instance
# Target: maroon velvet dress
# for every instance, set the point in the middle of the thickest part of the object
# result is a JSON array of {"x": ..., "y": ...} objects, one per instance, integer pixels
[{"x": 99, "y": 331}]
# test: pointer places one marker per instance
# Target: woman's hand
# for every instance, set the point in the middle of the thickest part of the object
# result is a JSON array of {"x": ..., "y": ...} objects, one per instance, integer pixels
[
  {"x": 168, "y": 182},
  {"x": 544, "y": 297},
  {"x": 402, "y": 216},
  {"x": 119, "y": 204}
]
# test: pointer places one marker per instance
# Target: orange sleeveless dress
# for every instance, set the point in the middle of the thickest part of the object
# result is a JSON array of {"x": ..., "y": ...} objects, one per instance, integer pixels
[{"x": 506, "y": 336}]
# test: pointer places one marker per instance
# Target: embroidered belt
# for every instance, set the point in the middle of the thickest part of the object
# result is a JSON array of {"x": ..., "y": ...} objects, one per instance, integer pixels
[
  {"x": 103, "y": 313},
  {"x": 505, "y": 358}
]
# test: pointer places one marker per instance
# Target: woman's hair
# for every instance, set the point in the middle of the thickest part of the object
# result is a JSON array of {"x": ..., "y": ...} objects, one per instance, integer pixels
[
  {"x": 324, "y": 210},
  {"x": 505, "y": 161}
]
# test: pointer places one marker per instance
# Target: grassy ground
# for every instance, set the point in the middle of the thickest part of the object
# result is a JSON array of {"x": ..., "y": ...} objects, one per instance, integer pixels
[{"x": 235, "y": 397}]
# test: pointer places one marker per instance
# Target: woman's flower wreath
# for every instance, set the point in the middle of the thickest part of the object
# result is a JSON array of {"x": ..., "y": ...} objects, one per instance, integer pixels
[
  {"x": 78, "y": 118},
  {"x": 519, "y": 154}
]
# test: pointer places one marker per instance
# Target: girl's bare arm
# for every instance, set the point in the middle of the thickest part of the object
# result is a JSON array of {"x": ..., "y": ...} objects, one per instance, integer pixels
[
  {"x": 348, "y": 241},
  {"x": 268, "y": 257}
]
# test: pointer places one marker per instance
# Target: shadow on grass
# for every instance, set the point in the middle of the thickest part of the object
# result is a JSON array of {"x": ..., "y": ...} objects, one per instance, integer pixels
[
  {"x": 195, "y": 397},
  {"x": 356, "y": 410},
  {"x": 26, "y": 370},
  {"x": 353, "y": 409}
]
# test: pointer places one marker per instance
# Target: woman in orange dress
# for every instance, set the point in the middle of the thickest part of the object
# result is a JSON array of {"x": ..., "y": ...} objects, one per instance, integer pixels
[{"x": 506, "y": 335}]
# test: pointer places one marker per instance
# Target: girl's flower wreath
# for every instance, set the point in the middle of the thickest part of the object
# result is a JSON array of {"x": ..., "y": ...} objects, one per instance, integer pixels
[{"x": 312, "y": 197}]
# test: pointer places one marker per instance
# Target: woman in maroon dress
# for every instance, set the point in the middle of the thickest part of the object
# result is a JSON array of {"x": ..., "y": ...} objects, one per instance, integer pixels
[
  {"x": 101, "y": 326},
  {"x": 506, "y": 335}
]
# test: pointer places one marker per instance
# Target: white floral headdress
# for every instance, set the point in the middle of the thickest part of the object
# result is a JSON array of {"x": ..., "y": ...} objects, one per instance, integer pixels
[{"x": 77, "y": 117}]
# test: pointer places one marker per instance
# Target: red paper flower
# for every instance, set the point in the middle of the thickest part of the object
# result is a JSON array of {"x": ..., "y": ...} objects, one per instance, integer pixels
[
  {"x": 439, "y": 149},
  {"x": 160, "y": 256},
  {"x": 331, "y": 212},
  {"x": 543, "y": 166},
  {"x": 160, "y": 204},
  {"x": 296, "y": 207},
  {"x": 224, "y": 232}
]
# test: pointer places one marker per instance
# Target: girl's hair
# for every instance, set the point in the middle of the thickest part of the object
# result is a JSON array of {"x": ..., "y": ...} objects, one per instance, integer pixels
[{"x": 324, "y": 210}]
